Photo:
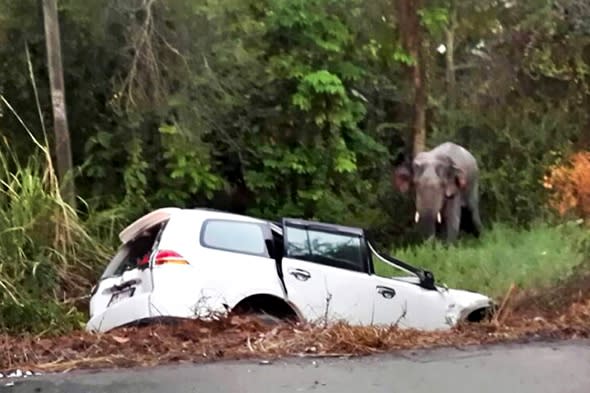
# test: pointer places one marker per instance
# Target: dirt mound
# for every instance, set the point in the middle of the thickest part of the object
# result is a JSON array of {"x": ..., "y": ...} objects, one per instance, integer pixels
[{"x": 562, "y": 311}]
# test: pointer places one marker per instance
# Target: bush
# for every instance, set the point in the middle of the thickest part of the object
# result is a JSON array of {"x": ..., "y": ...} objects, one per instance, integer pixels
[{"x": 569, "y": 183}]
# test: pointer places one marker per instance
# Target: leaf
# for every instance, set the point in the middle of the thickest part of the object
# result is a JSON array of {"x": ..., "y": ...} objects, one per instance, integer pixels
[
  {"x": 104, "y": 138},
  {"x": 323, "y": 81},
  {"x": 169, "y": 129}
]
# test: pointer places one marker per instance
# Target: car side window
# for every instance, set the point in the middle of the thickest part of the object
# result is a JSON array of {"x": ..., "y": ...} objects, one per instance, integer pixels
[
  {"x": 235, "y": 236},
  {"x": 332, "y": 249}
]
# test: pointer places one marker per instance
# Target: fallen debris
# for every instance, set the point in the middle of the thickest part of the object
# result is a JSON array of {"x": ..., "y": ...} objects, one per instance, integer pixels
[{"x": 528, "y": 317}]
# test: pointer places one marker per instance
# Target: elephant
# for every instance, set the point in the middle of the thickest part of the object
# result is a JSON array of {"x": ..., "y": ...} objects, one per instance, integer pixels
[{"x": 446, "y": 184}]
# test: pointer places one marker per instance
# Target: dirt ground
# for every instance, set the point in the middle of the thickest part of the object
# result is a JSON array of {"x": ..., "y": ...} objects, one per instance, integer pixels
[{"x": 559, "y": 312}]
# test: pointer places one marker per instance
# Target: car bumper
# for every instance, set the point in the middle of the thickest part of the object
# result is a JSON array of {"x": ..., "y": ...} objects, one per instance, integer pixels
[
  {"x": 155, "y": 305},
  {"x": 462, "y": 303},
  {"x": 127, "y": 311}
]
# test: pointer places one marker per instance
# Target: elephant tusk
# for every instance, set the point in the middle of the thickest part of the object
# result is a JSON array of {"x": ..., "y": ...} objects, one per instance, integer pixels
[
  {"x": 438, "y": 218},
  {"x": 417, "y": 217}
]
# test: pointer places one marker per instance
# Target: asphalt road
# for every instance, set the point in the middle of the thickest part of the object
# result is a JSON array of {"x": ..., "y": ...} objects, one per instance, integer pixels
[{"x": 539, "y": 368}]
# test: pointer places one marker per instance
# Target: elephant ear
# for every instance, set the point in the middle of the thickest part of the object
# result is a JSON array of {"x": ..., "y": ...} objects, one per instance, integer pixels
[
  {"x": 402, "y": 178},
  {"x": 457, "y": 181}
]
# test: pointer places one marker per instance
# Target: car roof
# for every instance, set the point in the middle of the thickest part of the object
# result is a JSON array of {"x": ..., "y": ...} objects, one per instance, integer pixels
[{"x": 162, "y": 214}]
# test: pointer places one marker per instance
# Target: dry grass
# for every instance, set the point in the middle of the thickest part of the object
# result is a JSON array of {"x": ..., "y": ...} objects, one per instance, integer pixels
[{"x": 525, "y": 316}]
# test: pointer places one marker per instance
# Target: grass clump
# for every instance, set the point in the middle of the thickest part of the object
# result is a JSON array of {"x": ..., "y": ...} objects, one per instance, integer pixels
[
  {"x": 529, "y": 258},
  {"x": 37, "y": 316},
  {"x": 48, "y": 258}
]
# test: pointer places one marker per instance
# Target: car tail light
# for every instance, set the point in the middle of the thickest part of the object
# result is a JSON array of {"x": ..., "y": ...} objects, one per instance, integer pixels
[{"x": 164, "y": 257}]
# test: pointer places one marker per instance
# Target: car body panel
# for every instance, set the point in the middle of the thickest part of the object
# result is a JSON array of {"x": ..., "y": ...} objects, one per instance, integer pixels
[
  {"x": 351, "y": 296},
  {"x": 305, "y": 284},
  {"x": 126, "y": 312},
  {"x": 415, "y": 307}
]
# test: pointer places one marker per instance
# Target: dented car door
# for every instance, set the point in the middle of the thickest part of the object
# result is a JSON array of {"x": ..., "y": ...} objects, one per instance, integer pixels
[{"x": 325, "y": 273}]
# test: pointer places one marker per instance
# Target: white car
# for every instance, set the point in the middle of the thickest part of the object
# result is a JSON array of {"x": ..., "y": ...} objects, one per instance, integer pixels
[{"x": 201, "y": 263}]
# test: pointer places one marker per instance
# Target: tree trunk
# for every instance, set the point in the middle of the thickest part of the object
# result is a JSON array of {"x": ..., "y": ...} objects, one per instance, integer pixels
[
  {"x": 411, "y": 39},
  {"x": 420, "y": 102},
  {"x": 63, "y": 150},
  {"x": 450, "y": 58}
]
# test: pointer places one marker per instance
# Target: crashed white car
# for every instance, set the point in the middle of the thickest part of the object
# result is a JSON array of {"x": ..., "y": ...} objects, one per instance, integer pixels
[{"x": 195, "y": 263}]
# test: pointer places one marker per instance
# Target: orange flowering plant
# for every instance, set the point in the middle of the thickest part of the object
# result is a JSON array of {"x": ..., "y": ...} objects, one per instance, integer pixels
[{"x": 569, "y": 184}]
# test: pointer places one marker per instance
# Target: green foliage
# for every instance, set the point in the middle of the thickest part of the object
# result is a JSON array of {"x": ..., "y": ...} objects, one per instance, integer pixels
[
  {"x": 320, "y": 153},
  {"x": 530, "y": 258},
  {"x": 39, "y": 317},
  {"x": 434, "y": 19}
]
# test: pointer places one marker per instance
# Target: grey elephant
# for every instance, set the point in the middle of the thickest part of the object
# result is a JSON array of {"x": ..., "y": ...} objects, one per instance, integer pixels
[{"x": 446, "y": 184}]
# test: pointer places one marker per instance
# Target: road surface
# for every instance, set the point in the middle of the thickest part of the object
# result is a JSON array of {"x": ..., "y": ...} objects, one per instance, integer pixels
[{"x": 539, "y": 368}]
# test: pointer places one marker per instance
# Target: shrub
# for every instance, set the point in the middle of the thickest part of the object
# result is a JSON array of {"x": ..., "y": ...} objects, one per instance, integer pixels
[{"x": 569, "y": 183}]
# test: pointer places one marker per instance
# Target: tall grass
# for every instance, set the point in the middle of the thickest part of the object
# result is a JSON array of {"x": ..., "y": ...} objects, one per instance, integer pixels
[
  {"x": 49, "y": 255},
  {"x": 528, "y": 258},
  {"x": 48, "y": 258}
]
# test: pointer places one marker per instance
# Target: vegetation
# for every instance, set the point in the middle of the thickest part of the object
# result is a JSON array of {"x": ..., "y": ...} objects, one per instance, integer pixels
[
  {"x": 49, "y": 257},
  {"x": 537, "y": 257},
  {"x": 570, "y": 186},
  {"x": 285, "y": 107}
]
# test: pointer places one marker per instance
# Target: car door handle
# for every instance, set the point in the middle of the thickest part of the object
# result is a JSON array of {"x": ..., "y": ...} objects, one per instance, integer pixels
[
  {"x": 386, "y": 292},
  {"x": 300, "y": 274}
]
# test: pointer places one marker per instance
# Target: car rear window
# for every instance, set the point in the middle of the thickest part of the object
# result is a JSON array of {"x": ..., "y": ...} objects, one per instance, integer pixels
[
  {"x": 131, "y": 253},
  {"x": 235, "y": 236},
  {"x": 332, "y": 249}
]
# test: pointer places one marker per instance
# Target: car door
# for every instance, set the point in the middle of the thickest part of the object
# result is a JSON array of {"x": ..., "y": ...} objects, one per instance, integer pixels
[
  {"x": 324, "y": 273},
  {"x": 403, "y": 302}
]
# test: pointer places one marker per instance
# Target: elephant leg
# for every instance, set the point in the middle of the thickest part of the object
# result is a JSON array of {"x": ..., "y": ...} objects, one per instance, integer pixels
[
  {"x": 452, "y": 219},
  {"x": 473, "y": 206},
  {"x": 476, "y": 220}
]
